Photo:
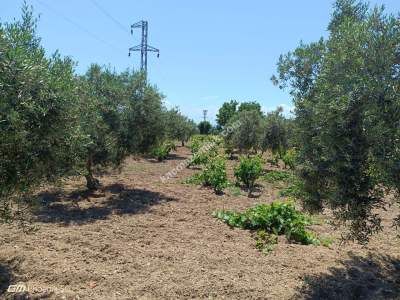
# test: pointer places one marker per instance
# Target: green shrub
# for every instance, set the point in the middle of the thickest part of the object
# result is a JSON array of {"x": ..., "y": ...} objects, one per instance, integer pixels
[
  {"x": 277, "y": 218},
  {"x": 162, "y": 151},
  {"x": 203, "y": 149},
  {"x": 273, "y": 176},
  {"x": 214, "y": 174},
  {"x": 196, "y": 179},
  {"x": 198, "y": 141},
  {"x": 274, "y": 160},
  {"x": 265, "y": 241},
  {"x": 289, "y": 159},
  {"x": 294, "y": 189},
  {"x": 248, "y": 171},
  {"x": 170, "y": 145}
]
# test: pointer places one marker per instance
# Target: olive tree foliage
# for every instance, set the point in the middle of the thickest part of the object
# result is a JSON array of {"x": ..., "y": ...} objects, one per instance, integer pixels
[
  {"x": 247, "y": 135},
  {"x": 274, "y": 136},
  {"x": 229, "y": 110},
  {"x": 250, "y": 106},
  {"x": 121, "y": 114},
  {"x": 147, "y": 119},
  {"x": 179, "y": 127},
  {"x": 346, "y": 91},
  {"x": 111, "y": 116},
  {"x": 204, "y": 127},
  {"x": 55, "y": 124},
  {"x": 226, "y": 112},
  {"x": 40, "y": 137}
]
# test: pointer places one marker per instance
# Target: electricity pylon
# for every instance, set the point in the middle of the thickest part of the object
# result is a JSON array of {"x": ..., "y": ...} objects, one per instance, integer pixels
[
  {"x": 143, "y": 47},
  {"x": 205, "y": 115}
]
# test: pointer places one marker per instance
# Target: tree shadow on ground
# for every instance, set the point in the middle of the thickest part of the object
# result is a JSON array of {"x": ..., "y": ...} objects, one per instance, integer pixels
[
  {"x": 256, "y": 191},
  {"x": 372, "y": 277},
  {"x": 82, "y": 207},
  {"x": 171, "y": 157},
  {"x": 8, "y": 268},
  {"x": 174, "y": 156}
]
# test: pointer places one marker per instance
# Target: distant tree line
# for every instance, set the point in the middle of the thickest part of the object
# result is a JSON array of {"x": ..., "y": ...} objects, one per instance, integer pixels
[{"x": 257, "y": 131}]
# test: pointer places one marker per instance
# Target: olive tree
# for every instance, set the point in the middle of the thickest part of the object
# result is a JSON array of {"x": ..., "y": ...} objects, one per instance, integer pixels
[
  {"x": 204, "y": 127},
  {"x": 121, "y": 115},
  {"x": 346, "y": 95},
  {"x": 179, "y": 127},
  {"x": 41, "y": 138},
  {"x": 226, "y": 112},
  {"x": 246, "y": 136},
  {"x": 274, "y": 136}
]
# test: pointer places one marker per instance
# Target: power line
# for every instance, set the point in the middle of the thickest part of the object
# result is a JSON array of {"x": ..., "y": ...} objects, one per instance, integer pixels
[
  {"x": 116, "y": 22},
  {"x": 94, "y": 36}
]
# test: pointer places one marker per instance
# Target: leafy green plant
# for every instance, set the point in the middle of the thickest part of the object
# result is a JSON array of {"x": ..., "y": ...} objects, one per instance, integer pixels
[
  {"x": 326, "y": 241},
  {"x": 214, "y": 174},
  {"x": 273, "y": 176},
  {"x": 277, "y": 218},
  {"x": 170, "y": 145},
  {"x": 248, "y": 171},
  {"x": 204, "y": 148},
  {"x": 274, "y": 160},
  {"x": 195, "y": 179},
  {"x": 162, "y": 151},
  {"x": 289, "y": 158},
  {"x": 294, "y": 189},
  {"x": 265, "y": 242}
]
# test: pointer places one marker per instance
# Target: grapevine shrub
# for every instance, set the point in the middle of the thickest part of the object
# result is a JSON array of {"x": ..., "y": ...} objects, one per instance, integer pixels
[
  {"x": 278, "y": 218},
  {"x": 214, "y": 174},
  {"x": 248, "y": 171},
  {"x": 289, "y": 158}
]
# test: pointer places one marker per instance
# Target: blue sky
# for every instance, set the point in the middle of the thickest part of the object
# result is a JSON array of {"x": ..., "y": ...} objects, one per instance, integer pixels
[{"x": 211, "y": 51}]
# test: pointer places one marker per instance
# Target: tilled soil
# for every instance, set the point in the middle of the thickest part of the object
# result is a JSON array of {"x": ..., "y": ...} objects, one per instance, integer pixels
[{"x": 139, "y": 238}]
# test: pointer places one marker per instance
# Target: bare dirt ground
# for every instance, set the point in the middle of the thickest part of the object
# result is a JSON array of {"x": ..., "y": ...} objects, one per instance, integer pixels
[{"x": 138, "y": 238}]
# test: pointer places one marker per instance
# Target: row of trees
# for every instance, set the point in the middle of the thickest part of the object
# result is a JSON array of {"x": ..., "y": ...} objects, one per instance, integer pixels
[
  {"x": 54, "y": 123},
  {"x": 346, "y": 91},
  {"x": 256, "y": 131}
]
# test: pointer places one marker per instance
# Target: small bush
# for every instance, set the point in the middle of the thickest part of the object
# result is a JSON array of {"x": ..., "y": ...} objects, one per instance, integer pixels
[
  {"x": 214, "y": 174},
  {"x": 265, "y": 242},
  {"x": 277, "y": 218},
  {"x": 170, "y": 145},
  {"x": 293, "y": 190},
  {"x": 248, "y": 171},
  {"x": 198, "y": 141},
  {"x": 196, "y": 179},
  {"x": 274, "y": 160},
  {"x": 289, "y": 158},
  {"x": 274, "y": 176},
  {"x": 162, "y": 151},
  {"x": 203, "y": 152}
]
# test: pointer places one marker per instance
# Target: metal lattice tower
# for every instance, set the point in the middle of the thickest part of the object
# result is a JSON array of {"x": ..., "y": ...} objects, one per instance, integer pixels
[
  {"x": 143, "y": 47},
  {"x": 205, "y": 114}
]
